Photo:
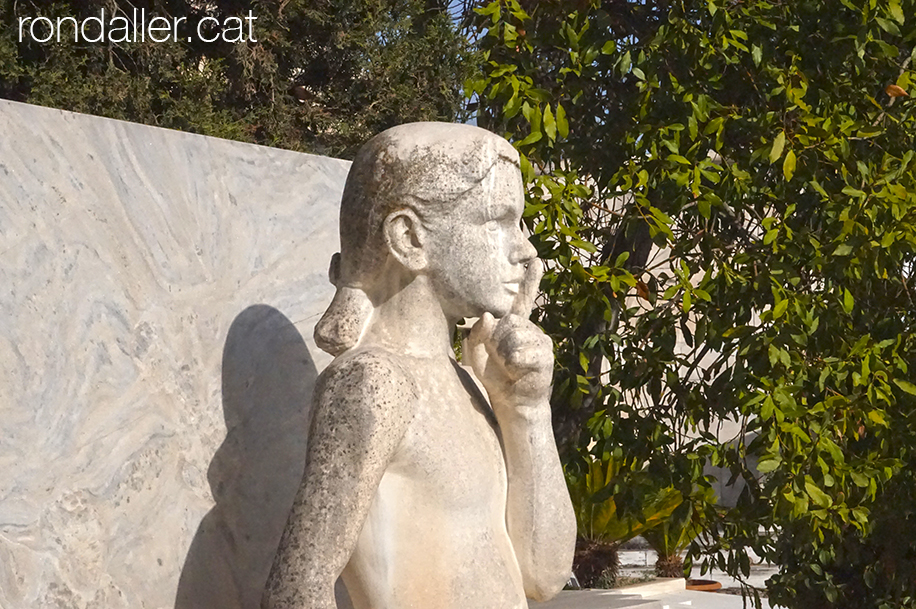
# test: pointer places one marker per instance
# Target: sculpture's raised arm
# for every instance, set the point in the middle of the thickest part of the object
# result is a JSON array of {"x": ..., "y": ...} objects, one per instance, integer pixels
[{"x": 513, "y": 359}]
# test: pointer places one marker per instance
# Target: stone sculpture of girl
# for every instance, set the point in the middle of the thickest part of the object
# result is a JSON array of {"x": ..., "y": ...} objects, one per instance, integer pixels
[{"x": 427, "y": 484}]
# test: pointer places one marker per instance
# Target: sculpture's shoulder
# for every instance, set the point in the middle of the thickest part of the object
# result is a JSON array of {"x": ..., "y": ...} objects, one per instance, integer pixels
[{"x": 368, "y": 380}]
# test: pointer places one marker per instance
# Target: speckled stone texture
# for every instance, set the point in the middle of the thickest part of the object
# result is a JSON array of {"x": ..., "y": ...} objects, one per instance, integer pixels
[
  {"x": 158, "y": 292},
  {"x": 429, "y": 484}
]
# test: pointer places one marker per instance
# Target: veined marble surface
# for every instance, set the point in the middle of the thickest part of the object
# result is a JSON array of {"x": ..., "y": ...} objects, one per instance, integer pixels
[{"x": 157, "y": 296}]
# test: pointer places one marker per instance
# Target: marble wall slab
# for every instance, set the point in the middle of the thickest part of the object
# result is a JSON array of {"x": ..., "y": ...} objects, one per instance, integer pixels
[{"x": 157, "y": 296}]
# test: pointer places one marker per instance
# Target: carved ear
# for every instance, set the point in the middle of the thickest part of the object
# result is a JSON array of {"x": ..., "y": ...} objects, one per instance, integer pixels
[{"x": 405, "y": 237}]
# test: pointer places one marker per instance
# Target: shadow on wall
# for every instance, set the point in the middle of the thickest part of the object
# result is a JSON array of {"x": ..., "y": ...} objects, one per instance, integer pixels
[{"x": 268, "y": 377}]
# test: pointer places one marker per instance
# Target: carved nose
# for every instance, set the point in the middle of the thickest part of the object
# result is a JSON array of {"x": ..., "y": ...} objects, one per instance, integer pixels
[{"x": 524, "y": 251}]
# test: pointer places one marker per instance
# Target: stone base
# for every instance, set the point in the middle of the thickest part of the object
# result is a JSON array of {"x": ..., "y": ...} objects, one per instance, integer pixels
[{"x": 596, "y": 599}]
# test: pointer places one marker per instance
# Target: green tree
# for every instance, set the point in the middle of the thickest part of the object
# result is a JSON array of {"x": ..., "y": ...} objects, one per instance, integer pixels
[
  {"x": 674, "y": 535},
  {"x": 725, "y": 193},
  {"x": 323, "y": 76},
  {"x": 601, "y": 527}
]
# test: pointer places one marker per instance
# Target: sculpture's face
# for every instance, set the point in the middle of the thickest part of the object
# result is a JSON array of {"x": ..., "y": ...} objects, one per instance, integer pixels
[{"x": 478, "y": 252}]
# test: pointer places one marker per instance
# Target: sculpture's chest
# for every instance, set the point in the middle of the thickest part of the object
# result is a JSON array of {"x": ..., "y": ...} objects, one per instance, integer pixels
[{"x": 452, "y": 445}]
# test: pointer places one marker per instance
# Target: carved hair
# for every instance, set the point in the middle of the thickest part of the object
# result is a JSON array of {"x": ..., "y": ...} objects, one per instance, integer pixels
[{"x": 426, "y": 167}]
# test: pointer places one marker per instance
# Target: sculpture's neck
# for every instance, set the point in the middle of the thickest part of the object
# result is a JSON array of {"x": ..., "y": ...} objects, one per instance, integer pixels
[{"x": 410, "y": 320}]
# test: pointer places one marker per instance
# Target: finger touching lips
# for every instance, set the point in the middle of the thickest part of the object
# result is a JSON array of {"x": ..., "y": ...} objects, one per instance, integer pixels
[{"x": 528, "y": 290}]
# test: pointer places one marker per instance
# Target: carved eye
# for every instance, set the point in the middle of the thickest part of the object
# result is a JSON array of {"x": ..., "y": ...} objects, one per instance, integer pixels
[{"x": 493, "y": 226}]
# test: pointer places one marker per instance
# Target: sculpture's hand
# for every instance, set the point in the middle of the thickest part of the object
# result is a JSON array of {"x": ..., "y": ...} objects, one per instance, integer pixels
[{"x": 511, "y": 356}]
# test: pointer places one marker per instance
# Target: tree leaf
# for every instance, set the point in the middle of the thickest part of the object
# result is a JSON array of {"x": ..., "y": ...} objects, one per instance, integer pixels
[
  {"x": 818, "y": 496},
  {"x": 788, "y": 166},
  {"x": 778, "y": 144},
  {"x": 877, "y": 417},
  {"x": 531, "y": 138},
  {"x": 780, "y": 308},
  {"x": 550, "y": 124},
  {"x": 768, "y": 465},
  {"x": 896, "y": 11},
  {"x": 625, "y": 63},
  {"x": 562, "y": 123},
  {"x": 906, "y": 386},
  {"x": 843, "y": 249},
  {"x": 848, "y": 301}
]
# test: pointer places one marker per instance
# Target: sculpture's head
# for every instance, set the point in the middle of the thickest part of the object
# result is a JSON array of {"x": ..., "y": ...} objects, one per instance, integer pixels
[{"x": 433, "y": 199}]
